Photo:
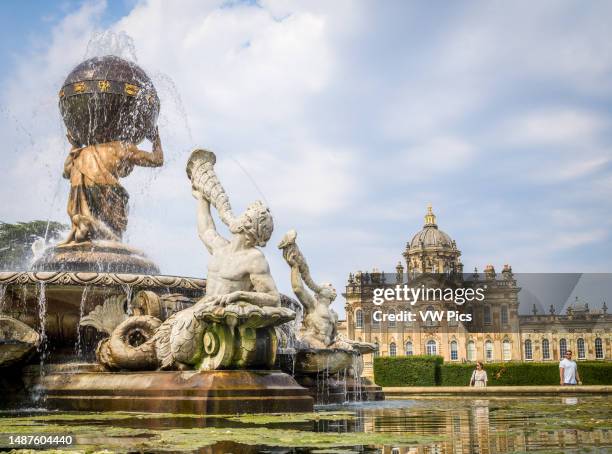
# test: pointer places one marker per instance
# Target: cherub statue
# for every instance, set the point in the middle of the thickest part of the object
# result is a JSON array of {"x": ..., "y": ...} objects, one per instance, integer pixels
[{"x": 319, "y": 324}]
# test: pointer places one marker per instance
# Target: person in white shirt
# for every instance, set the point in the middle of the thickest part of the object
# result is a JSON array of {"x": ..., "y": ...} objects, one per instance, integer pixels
[{"x": 568, "y": 370}]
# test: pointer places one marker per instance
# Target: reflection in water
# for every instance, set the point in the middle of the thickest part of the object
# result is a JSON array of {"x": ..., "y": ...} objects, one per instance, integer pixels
[
  {"x": 499, "y": 425},
  {"x": 428, "y": 425}
]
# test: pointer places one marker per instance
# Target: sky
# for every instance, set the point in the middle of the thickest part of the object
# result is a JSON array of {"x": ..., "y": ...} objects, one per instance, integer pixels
[{"x": 347, "y": 118}]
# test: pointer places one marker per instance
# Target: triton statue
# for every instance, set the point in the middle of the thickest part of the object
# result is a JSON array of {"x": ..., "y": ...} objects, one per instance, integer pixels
[
  {"x": 320, "y": 346},
  {"x": 233, "y": 325},
  {"x": 319, "y": 324}
]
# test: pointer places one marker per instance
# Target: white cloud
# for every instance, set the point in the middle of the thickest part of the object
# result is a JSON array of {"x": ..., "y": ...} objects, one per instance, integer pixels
[{"x": 560, "y": 126}]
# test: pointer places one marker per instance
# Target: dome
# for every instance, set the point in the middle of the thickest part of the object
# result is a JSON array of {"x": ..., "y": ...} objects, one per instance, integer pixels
[{"x": 431, "y": 236}]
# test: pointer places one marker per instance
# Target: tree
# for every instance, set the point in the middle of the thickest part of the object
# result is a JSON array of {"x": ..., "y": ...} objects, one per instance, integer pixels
[{"x": 16, "y": 241}]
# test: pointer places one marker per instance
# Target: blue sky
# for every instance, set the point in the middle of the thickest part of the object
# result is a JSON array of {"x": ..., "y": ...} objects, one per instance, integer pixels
[{"x": 350, "y": 117}]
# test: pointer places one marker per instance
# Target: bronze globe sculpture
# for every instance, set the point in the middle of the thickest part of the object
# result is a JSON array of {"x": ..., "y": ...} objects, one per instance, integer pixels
[{"x": 107, "y": 99}]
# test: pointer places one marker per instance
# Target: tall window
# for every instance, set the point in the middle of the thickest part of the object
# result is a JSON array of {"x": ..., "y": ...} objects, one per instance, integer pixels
[
  {"x": 391, "y": 320},
  {"x": 528, "y": 350},
  {"x": 471, "y": 351},
  {"x": 454, "y": 354},
  {"x": 599, "y": 353},
  {"x": 375, "y": 321},
  {"x": 487, "y": 315},
  {"x": 507, "y": 350},
  {"x": 562, "y": 347},
  {"x": 358, "y": 319},
  {"x": 580, "y": 348},
  {"x": 377, "y": 351},
  {"x": 431, "y": 347},
  {"x": 392, "y": 349},
  {"x": 545, "y": 349},
  {"x": 430, "y": 321},
  {"x": 408, "y": 350},
  {"x": 504, "y": 315},
  {"x": 489, "y": 350}
]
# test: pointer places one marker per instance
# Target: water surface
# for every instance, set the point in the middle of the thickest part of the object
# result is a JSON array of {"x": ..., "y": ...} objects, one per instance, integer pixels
[{"x": 422, "y": 425}]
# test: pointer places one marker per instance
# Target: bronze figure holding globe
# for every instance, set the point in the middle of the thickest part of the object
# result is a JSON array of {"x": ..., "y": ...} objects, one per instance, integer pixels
[{"x": 109, "y": 105}]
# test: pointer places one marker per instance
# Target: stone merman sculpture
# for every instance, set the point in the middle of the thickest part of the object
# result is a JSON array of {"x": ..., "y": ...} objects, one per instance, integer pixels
[
  {"x": 228, "y": 327},
  {"x": 320, "y": 346},
  {"x": 319, "y": 324}
]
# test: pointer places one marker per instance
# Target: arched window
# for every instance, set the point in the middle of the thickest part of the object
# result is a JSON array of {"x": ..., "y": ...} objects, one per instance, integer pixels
[
  {"x": 562, "y": 347},
  {"x": 392, "y": 349},
  {"x": 376, "y": 320},
  {"x": 504, "y": 315},
  {"x": 471, "y": 351},
  {"x": 545, "y": 349},
  {"x": 528, "y": 350},
  {"x": 506, "y": 350},
  {"x": 599, "y": 353},
  {"x": 358, "y": 319},
  {"x": 377, "y": 351},
  {"x": 454, "y": 353},
  {"x": 430, "y": 321},
  {"x": 580, "y": 348},
  {"x": 391, "y": 319},
  {"x": 408, "y": 351},
  {"x": 431, "y": 347},
  {"x": 489, "y": 350},
  {"x": 487, "y": 315}
]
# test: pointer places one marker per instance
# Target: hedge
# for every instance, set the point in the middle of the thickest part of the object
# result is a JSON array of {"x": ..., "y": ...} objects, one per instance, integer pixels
[
  {"x": 417, "y": 370},
  {"x": 425, "y": 371}
]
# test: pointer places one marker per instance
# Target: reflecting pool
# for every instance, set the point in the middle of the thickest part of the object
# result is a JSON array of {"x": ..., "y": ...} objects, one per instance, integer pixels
[{"x": 422, "y": 425}]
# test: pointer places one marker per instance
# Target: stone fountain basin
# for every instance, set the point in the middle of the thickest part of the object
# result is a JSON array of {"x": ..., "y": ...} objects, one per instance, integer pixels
[
  {"x": 64, "y": 293},
  {"x": 333, "y": 360},
  {"x": 17, "y": 341}
]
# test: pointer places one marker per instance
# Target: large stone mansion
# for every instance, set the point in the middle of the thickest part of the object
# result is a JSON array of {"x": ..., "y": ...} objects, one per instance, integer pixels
[{"x": 497, "y": 331}]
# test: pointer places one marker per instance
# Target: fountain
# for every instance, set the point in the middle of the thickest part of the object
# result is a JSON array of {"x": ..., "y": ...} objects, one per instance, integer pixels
[{"x": 110, "y": 331}]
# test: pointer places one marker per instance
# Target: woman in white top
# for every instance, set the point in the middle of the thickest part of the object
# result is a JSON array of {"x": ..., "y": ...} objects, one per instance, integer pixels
[{"x": 479, "y": 376}]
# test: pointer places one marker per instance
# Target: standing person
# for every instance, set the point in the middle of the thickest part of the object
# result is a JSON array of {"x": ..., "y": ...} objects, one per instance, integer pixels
[
  {"x": 479, "y": 376},
  {"x": 568, "y": 370}
]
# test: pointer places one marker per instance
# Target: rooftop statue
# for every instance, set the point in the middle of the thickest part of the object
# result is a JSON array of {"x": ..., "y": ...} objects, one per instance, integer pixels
[{"x": 233, "y": 325}]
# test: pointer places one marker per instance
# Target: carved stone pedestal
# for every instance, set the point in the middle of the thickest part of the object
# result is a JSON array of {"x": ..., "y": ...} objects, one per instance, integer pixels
[{"x": 210, "y": 392}]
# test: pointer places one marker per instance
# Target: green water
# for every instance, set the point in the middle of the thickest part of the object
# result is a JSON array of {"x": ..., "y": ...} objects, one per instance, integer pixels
[{"x": 425, "y": 425}]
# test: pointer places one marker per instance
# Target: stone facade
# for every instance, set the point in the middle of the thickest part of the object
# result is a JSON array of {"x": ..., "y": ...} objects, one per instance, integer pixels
[{"x": 497, "y": 332}]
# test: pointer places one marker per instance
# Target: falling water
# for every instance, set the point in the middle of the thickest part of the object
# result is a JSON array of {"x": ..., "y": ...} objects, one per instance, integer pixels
[
  {"x": 127, "y": 288},
  {"x": 37, "y": 392},
  {"x": 357, "y": 392},
  {"x": 78, "y": 347},
  {"x": 42, "y": 321},
  {"x": 2, "y": 295}
]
